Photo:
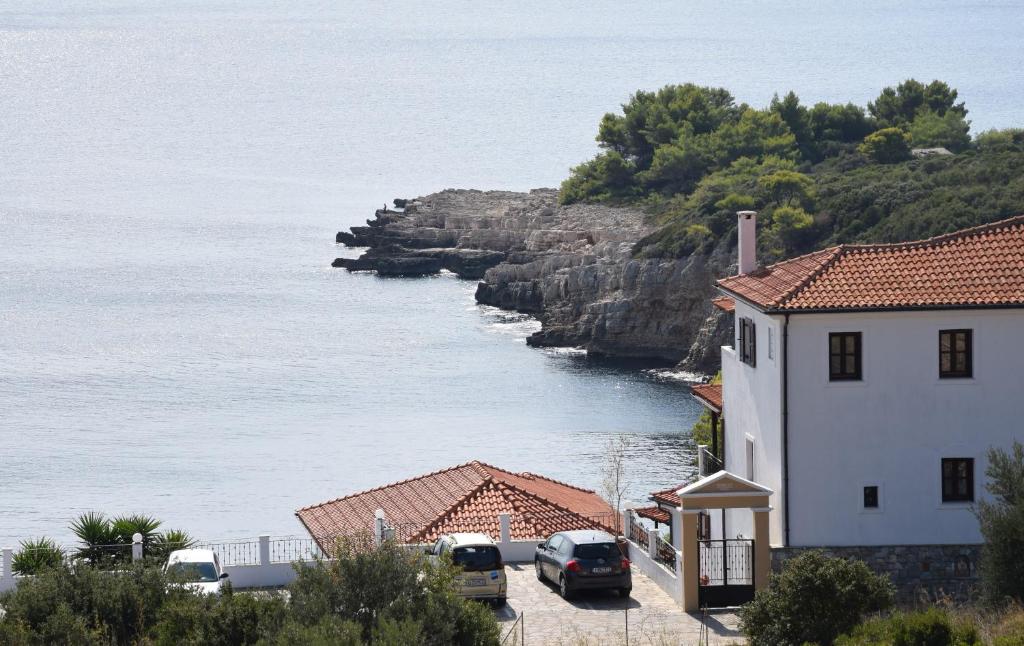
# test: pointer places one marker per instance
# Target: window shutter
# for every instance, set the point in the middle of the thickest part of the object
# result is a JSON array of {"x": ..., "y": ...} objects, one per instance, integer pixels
[
  {"x": 753, "y": 344},
  {"x": 743, "y": 340}
]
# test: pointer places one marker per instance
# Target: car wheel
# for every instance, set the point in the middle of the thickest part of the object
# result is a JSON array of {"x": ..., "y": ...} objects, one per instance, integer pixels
[
  {"x": 625, "y": 592},
  {"x": 563, "y": 588},
  {"x": 540, "y": 570}
]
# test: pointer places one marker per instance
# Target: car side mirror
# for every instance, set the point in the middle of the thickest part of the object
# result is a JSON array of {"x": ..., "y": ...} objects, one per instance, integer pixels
[
  {"x": 543, "y": 546},
  {"x": 223, "y": 575}
]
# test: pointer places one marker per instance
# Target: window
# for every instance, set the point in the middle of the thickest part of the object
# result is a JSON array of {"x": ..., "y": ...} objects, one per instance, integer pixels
[
  {"x": 748, "y": 342},
  {"x": 957, "y": 479},
  {"x": 955, "y": 352},
  {"x": 871, "y": 497},
  {"x": 703, "y": 526},
  {"x": 555, "y": 542},
  {"x": 771, "y": 343},
  {"x": 844, "y": 356}
]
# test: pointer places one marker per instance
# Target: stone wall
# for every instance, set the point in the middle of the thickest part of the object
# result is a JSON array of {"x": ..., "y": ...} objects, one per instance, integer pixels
[{"x": 919, "y": 572}]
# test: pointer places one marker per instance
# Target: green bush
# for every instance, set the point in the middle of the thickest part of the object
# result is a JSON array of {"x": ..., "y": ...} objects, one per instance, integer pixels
[
  {"x": 931, "y": 627},
  {"x": 1002, "y": 525},
  {"x": 815, "y": 599},
  {"x": 886, "y": 146},
  {"x": 33, "y": 556}
]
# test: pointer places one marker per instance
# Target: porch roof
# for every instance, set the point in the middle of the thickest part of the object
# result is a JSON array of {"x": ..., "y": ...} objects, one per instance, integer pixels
[{"x": 710, "y": 395}]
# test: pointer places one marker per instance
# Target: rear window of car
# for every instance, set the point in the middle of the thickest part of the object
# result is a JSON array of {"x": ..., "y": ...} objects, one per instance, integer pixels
[
  {"x": 476, "y": 558},
  {"x": 596, "y": 551}
]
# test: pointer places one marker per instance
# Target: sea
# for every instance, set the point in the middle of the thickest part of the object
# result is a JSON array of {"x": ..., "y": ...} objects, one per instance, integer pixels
[{"x": 173, "y": 339}]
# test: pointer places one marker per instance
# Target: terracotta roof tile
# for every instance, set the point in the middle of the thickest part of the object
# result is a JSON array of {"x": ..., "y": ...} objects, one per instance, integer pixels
[
  {"x": 668, "y": 496},
  {"x": 724, "y": 303},
  {"x": 977, "y": 267},
  {"x": 464, "y": 498},
  {"x": 657, "y": 514},
  {"x": 708, "y": 393}
]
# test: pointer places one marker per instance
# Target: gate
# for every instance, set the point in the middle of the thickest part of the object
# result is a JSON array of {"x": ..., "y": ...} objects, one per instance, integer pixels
[{"x": 726, "y": 572}]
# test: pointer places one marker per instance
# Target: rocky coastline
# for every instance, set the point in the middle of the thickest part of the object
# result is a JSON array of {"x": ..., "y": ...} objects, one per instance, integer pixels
[{"x": 570, "y": 266}]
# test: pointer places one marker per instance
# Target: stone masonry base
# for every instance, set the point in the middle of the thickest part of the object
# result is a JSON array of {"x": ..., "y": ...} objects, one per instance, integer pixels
[{"x": 919, "y": 572}]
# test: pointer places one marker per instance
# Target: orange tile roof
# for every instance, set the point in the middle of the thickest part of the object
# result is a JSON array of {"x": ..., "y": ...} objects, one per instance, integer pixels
[
  {"x": 657, "y": 514},
  {"x": 977, "y": 267},
  {"x": 668, "y": 496},
  {"x": 708, "y": 393},
  {"x": 464, "y": 498},
  {"x": 724, "y": 303}
]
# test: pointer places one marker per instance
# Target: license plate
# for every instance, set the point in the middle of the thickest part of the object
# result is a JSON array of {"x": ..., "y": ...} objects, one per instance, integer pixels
[
  {"x": 476, "y": 581},
  {"x": 601, "y": 570}
]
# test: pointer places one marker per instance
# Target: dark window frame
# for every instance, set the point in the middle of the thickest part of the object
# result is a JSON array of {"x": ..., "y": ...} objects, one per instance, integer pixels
[
  {"x": 957, "y": 486},
  {"x": 748, "y": 342},
  {"x": 871, "y": 497},
  {"x": 961, "y": 362},
  {"x": 845, "y": 357}
]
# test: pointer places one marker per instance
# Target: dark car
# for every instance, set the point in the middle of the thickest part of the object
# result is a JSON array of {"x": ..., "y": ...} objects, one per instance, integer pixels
[{"x": 583, "y": 560}]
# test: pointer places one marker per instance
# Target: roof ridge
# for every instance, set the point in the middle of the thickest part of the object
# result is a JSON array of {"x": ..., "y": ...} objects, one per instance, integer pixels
[
  {"x": 421, "y": 532},
  {"x": 393, "y": 484},
  {"x": 528, "y": 474},
  {"x": 939, "y": 239},
  {"x": 835, "y": 253}
]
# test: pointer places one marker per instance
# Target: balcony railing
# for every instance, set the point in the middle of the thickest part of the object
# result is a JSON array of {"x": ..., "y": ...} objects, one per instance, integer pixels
[{"x": 707, "y": 462}]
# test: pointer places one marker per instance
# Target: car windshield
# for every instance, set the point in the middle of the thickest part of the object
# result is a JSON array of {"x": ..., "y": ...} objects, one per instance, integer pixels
[
  {"x": 193, "y": 572},
  {"x": 596, "y": 551},
  {"x": 476, "y": 558}
]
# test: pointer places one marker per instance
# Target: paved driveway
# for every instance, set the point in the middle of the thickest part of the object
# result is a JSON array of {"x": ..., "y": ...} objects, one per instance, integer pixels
[{"x": 600, "y": 617}]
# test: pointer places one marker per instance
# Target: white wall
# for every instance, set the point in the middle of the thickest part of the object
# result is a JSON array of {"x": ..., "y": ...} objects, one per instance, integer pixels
[
  {"x": 893, "y": 428},
  {"x": 752, "y": 398}
]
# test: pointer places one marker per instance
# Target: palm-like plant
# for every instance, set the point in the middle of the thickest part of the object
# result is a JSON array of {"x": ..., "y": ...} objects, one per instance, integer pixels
[
  {"x": 99, "y": 541},
  {"x": 125, "y": 527},
  {"x": 36, "y": 555},
  {"x": 166, "y": 542}
]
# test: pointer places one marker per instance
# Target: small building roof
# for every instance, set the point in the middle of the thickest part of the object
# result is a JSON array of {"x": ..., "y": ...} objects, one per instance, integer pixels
[
  {"x": 724, "y": 303},
  {"x": 657, "y": 514},
  {"x": 708, "y": 394},
  {"x": 464, "y": 498},
  {"x": 977, "y": 267}
]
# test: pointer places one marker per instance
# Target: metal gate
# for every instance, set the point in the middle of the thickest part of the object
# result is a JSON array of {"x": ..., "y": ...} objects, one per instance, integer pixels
[{"x": 726, "y": 572}]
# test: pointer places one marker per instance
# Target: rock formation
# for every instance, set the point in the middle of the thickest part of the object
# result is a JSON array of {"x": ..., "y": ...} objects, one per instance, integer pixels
[{"x": 570, "y": 266}]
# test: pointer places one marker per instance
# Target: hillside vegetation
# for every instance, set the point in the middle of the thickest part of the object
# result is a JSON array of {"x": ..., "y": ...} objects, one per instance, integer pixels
[{"x": 818, "y": 175}]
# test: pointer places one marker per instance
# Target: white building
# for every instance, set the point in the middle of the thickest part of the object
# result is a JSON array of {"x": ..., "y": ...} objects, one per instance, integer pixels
[{"x": 865, "y": 387}]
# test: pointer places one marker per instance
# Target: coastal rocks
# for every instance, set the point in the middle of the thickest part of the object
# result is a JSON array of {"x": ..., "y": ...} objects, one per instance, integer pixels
[{"x": 570, "y": 266}]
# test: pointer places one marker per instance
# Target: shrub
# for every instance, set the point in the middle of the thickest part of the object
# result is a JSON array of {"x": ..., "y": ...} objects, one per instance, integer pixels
[
  {"x": 1002, "y": 525},
  {"x": 932, "y": 627},
  {"x": 815, "y": 599},
  {"x": 33, "y": 556},
  {"x": 886, "y": 146}
]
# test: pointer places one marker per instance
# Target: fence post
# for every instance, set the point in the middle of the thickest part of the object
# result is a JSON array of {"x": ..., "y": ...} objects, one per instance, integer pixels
[
  {"x": 652, "y": 543},
  {"x": 7, "y": 571},
  {"x": 701, "y": 460},
  {"x": 136, "y": 546},
  {"x": 627, "y": 523},
  {"x": 264, "y": 549},
  {"x": 505, "y": 522}
]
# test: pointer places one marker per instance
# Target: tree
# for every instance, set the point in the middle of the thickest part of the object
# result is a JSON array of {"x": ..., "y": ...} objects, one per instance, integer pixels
[
  {"x": 814, "y": 600},
  {"x": 899, "y": 106},
  {"x": 886, "y": 146},
  {"x": 614, "y": 481},
  {"x": 951, "y": 130},
  {"x": 1002, "y": 525}
]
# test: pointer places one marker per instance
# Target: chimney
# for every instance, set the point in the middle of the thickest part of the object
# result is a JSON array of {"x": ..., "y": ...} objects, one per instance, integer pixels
[{"x": 747, "y": 224}]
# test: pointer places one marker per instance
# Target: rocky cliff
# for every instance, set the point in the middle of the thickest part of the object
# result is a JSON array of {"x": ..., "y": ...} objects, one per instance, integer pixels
[{"x": 570, "y": 266}]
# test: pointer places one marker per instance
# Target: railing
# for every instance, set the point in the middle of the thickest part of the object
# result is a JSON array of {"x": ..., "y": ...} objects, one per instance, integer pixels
[
  {"x": 238, "y": 552},
  {"x": 665, "y": 554},
  {"x": 708, "y": 463},
  {"x": 637, "y": 532},
  {"x": 285, "y": 550}
]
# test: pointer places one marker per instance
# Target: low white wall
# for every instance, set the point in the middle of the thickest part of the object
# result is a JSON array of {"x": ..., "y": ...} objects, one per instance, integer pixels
[
  {"x": 270, "y": 575},
  {"x": 665, "y": 578}
]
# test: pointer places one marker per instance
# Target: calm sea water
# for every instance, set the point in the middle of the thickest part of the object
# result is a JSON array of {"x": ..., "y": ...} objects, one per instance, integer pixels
[{"x": 172, "y": 338}]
